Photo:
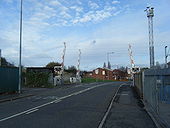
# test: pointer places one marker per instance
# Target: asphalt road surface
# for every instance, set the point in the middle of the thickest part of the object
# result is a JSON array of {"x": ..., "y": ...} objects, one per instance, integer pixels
[
  {"x": 77, "y": 107},
  {"x": 80, "y": 106}
]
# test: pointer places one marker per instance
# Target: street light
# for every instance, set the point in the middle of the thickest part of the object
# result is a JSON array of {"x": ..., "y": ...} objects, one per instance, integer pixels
[
  {"x": 166, "y": 56},
  {"x": 108, "y": 53},
  {"x": 20, "y": 49},
  {"x": 0, "y": 59}
]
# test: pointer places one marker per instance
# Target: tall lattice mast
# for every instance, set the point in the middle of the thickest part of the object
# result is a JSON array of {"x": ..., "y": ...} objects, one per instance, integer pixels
[{"x": 150, "y": 14}]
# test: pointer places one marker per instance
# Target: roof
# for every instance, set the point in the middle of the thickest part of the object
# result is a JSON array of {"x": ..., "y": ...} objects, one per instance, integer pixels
[{"x": 39, "y": 68}]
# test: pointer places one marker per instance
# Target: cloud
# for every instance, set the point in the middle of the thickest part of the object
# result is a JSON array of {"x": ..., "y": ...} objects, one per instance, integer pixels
[
  {"x": 98, "y": 15},
  {"x": 115, "y": 2},
  {"x": 93, "y": 30},
  {"x": 55, "y": 3},
  {"x": 93, "y": 5}
]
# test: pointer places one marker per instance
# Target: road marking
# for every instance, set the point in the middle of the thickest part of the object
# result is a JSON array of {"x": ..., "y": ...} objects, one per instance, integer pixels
[
  {"x": 125, "y": 94},
  {"x": 51, "y": 102},
  {"x": 34, "y": 110},
  {"x": 108, "y": 110},
  {"x": 57, "y": 101}
]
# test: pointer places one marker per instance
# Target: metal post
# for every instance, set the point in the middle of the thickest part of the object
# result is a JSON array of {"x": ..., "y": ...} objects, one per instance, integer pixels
[
  {"x": 20, "y": 51},
  {"x": 108, "y": 61},
  {"x": 166, "y": 56},
  {"x": 0, "y": 59}
]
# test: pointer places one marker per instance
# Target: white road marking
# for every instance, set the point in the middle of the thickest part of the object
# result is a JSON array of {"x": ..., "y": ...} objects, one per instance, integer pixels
[
  {"x": 55, "y": 101},
  {"x": 125, "y": 94},
  {"x": 34, "y": 110}
]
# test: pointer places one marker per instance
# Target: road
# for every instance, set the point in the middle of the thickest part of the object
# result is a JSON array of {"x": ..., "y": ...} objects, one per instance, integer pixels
[{"x": 81, "y": 106}]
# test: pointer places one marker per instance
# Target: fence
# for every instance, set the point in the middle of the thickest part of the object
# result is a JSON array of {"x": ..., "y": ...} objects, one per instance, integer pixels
[
  {"x": 154, "y": 86},
  {"x": 138, "y": 81},
  {"x": 8, "y": 79}
]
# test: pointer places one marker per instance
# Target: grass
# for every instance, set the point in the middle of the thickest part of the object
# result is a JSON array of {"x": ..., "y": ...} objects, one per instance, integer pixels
[{"x": 92, "y": 80}]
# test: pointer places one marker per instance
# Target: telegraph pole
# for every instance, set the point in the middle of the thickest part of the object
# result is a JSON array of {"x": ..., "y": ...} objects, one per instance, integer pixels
[
  {"x": 20, "y": 49},
  {"x": 150, "y": 15}
]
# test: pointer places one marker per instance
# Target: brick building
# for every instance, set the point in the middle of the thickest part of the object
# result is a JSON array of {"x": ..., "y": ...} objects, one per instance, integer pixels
[{"x": 107, "y": 74}]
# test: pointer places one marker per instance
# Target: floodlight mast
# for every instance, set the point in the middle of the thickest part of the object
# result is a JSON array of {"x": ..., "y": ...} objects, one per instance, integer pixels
[{"x": 150, "y": 15}]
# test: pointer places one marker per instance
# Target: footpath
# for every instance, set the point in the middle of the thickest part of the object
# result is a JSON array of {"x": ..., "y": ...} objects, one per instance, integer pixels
[{"x": 128, "y": 111}]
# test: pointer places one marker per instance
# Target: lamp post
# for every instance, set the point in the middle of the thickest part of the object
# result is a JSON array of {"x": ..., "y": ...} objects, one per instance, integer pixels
[
  {"x": 108, "y": 53},
  {"x": 0, "y": 58},
  {"x": 166, "y": 56},
  {"x": 20, "y": 49}
]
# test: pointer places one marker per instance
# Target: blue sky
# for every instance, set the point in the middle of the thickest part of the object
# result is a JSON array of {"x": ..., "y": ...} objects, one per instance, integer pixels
[{"x": 112, "y": 24}]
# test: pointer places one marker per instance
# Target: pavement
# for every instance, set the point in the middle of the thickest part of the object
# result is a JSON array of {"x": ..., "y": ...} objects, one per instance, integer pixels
[
  {"x": 79, "y": 106},
  {"x": 164, "y": 113},
  {"x": 128, "y": 111}
]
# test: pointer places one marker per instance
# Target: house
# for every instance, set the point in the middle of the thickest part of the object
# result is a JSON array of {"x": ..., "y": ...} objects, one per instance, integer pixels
[
  {"x": 107, "y": 74},
  {"x": 102, "y": 74},
  {"x": 119, "y": 75}
]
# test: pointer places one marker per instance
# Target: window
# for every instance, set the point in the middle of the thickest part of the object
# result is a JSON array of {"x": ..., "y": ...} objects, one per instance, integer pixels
[
  {"x": 103, "y": 73},
  {"x": 97, "y": 71}
]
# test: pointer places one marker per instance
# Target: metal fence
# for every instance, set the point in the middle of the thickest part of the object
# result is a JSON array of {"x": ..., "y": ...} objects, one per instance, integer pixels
[
  {"x": 158, "y": 80},
  {"x": 138, "y": 82},
  {"x": 150, "y": 89},
  {"x": 8, "y": 79},
  {"x": 154, "y": 85}
]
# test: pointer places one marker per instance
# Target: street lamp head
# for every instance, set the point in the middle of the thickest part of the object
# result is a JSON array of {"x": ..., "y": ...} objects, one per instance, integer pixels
[{"x": 166, "y": 46}]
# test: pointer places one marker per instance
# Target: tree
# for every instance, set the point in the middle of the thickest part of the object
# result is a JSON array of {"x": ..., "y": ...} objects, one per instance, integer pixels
[
  {"x": 5, "y": 63},
  {"x": 53, "y": 64},
  {"x": 104, "y": 65},
  {"x": 124, "y": 69},
  {"x": 71, "y": 69},
  {"x": 109, "y": 65}
]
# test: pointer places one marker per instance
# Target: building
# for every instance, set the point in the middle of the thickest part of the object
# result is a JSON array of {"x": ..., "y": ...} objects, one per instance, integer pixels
[
  {"x": 120, "y": 75},
  {"x": 107, "y": 74}
]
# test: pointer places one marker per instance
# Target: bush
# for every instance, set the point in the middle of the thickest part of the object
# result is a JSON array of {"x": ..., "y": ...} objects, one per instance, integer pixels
[{"x": 37, "y": 79}]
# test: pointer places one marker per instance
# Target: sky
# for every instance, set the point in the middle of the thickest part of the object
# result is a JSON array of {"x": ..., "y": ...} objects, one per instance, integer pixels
[{"x": 94, "y": 26}]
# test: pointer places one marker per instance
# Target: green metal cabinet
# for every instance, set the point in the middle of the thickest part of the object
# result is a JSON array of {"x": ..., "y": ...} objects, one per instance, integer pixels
[{"x": 9, "y": 78}]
